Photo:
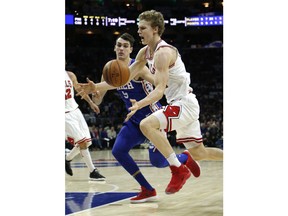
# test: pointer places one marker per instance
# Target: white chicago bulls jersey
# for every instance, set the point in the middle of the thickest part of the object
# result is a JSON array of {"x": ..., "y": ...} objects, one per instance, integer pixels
[
  {"x": 179, "y": 79},
  {"x": 70, "y": 103}
]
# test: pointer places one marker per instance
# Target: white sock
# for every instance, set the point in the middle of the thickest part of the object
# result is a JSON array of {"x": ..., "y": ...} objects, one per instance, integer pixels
[
  {"x": 75, "y": 151},
  {"x": 173, "y": 160},
  {"x": 87, "y": 158}
]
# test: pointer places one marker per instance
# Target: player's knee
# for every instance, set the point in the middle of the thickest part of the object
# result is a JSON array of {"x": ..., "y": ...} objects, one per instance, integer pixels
[
  {"x": 144, "y": 127},
  {"x": 118, "y": 152}
]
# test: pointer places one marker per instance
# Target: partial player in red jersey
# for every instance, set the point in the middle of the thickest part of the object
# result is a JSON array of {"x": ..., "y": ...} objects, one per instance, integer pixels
[{"x": 76, "y": 128}]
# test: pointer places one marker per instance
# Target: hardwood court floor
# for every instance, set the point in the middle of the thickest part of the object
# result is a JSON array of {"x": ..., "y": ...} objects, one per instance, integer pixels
[{"x": 201, "y": 196}]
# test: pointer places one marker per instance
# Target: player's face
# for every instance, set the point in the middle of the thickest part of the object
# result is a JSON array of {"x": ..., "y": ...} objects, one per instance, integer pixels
[
  {"x": 122, "y": 49},
  {"x": 145, "y": 31}
]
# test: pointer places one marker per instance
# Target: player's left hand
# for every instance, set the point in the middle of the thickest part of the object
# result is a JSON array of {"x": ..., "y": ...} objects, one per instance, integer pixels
[{"x": 133, "y": 109}]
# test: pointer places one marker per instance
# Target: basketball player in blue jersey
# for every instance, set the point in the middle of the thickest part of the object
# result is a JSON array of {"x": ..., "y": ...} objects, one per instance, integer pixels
[{"x": 130, "y": 134}]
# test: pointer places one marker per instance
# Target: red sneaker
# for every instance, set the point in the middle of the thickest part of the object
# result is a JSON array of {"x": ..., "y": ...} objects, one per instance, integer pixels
[
  {"x": 192, "y": 165},
  {"x": 179, "y": 177},
  {"x": 144, "y": 196}
]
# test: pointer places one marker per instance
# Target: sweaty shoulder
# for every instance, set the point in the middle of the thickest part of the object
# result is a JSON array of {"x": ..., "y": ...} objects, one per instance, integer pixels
[
  {"x": 166, "y": 53},
  {"x": 170, "y": 50}
]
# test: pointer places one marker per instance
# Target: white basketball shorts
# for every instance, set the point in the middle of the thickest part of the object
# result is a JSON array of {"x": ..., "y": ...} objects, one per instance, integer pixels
[
  {"x": 76, "y": 128},
  {"x": 181, "y": 115}
]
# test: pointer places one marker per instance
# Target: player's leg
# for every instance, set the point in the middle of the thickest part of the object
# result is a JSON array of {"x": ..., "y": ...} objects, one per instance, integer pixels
[
  {"x": 159, "y": 161},
  {"x": 75, "y": 135},
  {"x": 78, "y": 133},
  {"x": 128, "y": 137},
  {"x": 71, "y": 125},
  {"x": 192, "y": 139},
  {"x": 151, "y": 127},
  {"x": 70, "y": 155},
  {"x": 190, "y": 136},
  {"x": 200, "y": 152},
  {"x": 84, "y": 149},
  {"x": 84, "y": 152}
]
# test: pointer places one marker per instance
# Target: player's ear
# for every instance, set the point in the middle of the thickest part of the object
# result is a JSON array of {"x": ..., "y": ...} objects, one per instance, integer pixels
[
  {"x": 131, "y": 49},
  {"x": 156, "y": 29},
  {"x": 115, "y": 48}
]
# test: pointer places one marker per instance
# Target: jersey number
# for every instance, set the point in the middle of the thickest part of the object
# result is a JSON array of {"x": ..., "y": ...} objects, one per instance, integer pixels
[
  {"x": 68, "y": 94},
  {"x": 125, "y": 95}
]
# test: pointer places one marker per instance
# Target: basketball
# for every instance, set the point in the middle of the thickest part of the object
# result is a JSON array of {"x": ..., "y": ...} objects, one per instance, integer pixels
[{"x": 116, "y": 73}]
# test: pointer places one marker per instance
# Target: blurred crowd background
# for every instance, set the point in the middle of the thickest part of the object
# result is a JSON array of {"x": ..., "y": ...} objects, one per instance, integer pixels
[{"x": 88, "y": 48}]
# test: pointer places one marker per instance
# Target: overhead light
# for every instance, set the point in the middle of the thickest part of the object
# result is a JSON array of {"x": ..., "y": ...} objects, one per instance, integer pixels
[{"x": 206, "y": 4}]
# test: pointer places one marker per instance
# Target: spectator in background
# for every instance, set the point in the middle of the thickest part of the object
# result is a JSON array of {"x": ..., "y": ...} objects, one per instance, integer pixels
[
  {"x": 103, "y": 137},
  {"x": 111, "y": 133},
  {"x": 219, "y": 143},
  {"x": 96, "y": 142}
]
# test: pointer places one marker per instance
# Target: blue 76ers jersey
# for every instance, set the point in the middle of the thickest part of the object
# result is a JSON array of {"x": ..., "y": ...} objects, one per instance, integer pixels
[{"x": 138, "y": 90}]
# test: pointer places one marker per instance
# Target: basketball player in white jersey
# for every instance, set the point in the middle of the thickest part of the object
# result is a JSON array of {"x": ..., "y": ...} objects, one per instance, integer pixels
[
  {"x": 181, "y": 113},
  {"x": 76, "y": 128}
]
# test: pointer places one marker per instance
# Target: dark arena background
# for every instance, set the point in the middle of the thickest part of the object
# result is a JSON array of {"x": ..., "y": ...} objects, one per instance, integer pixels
[{"x": 195, "y": 27}]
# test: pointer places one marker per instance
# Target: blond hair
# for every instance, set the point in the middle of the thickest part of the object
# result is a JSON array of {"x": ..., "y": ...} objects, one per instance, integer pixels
[{"x": 155, "y": 18}]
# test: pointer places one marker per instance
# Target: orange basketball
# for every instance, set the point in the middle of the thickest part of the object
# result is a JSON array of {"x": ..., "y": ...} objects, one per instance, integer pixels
[{"x": 116, "y": 73}]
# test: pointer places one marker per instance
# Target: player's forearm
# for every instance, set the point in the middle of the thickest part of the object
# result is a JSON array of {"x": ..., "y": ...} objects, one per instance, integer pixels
[
  {"x": 88, "y": 99},
  {"x": 153, "y": 97},
  {"x": 84, "y": 96},
  {"x": 98, "y": 98},
  {"x": 136, "y": 68},
  {"x": 103, "y": 86}
]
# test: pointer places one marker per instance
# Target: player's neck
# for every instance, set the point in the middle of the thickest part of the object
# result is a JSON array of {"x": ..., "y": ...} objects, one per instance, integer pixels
[
  {"x": 154, "y": 44},
  {"x": 127, "y": 60}
]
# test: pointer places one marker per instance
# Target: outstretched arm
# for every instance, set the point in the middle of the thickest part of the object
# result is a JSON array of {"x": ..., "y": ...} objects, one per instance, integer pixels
[
  {"x": 97, "y": 98},
  {"x": 162, "y": 61},
  {"x": 86, "y": 97},
  {"x": 91, "y": 87}
]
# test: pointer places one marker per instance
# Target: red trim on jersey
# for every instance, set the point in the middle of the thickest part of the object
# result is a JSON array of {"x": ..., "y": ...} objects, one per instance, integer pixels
[
  {"x": 144, "y": 86},
  {"x": 166, "y": 45},
  {"x": 70, "y": 140},
  {"x": 83, "y": 140},
  {"x": 171, "y": 112},
  {"x": 189, "y": 139},
  {"x": 147, "y": 56}
]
